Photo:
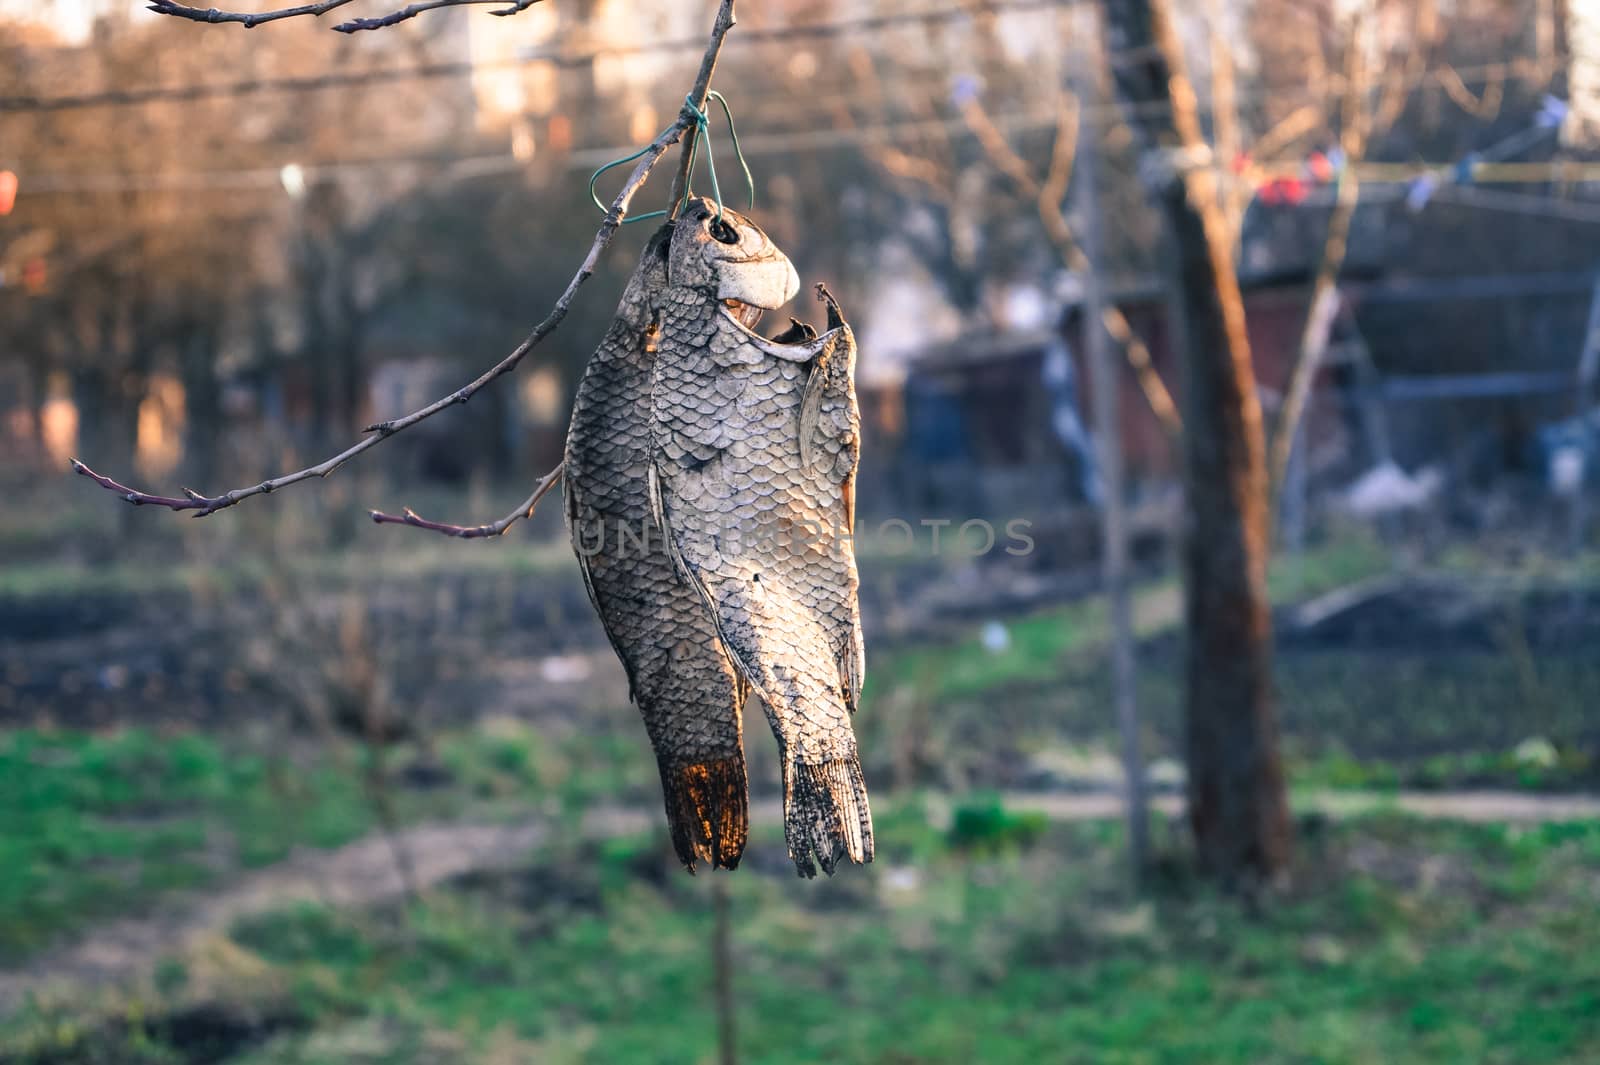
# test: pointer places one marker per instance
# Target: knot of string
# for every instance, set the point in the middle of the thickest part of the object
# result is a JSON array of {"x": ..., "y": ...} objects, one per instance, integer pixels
[{"x": 701, "y": 134}]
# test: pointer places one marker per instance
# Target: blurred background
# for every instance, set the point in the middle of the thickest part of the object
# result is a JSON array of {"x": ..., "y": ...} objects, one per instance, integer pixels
[{"x": 283, "y": 785}]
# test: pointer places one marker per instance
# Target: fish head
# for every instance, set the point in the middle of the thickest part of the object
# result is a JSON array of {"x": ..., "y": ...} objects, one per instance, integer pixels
[{"x": 730, "y": 257}]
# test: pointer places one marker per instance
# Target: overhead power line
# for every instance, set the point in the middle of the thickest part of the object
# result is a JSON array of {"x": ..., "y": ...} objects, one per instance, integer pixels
[
  {"x": 457, "y": 68},
  {"x": 26, "y": 104},
  {"x": 822, "y": 138}
]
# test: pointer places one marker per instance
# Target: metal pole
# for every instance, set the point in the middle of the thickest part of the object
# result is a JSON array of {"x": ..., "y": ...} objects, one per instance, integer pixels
[
  {"x": 1113, "y": 514},
  {"x": 722, "y": 962}
]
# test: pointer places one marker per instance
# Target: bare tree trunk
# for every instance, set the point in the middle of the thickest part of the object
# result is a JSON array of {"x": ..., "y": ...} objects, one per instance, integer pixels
[
  {"x": 1238, "y": 807},
  {"x": 1113, "y": 528}
]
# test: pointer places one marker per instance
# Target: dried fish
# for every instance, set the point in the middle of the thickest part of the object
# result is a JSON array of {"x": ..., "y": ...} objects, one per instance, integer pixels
[
  {"x": 755, "y": 443},
  {"x": 680, "y": 676}
]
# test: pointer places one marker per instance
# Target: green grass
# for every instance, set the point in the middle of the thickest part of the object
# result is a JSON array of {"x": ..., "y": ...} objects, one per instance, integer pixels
[
  {"x": 1351, "y": 717},
  {"x": 93, "y": 825},
  {"x": 1039, "y": 643},
  {"x": 1404, "y": 944}
]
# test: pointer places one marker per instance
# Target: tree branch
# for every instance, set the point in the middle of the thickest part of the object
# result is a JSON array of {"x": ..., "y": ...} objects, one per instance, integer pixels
[
  {"x": 476, "y": 532},
  {"x": 702, "y": 84},
  {"x": 249, "y": 20},
  {"x": 1296, "y": 125},
  {"x": 904, "y": 168},
  {"x": 203, "y": 505},
  {"x": 1225, "y": 112},
  {"x": 1048, "y": 198},
  {"x": 1325, "y": 289},
  {"x": 252, "y": 19},
  {"x": 356, "y": 25}
]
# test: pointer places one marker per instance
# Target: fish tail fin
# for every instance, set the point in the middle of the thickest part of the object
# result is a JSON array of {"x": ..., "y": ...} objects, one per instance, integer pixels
[
  {"x": 708, "y": 810},
  {"x": 826, "y": 814}
]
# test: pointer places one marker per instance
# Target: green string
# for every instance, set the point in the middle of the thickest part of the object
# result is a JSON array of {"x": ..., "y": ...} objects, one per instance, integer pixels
[
  {"x": 738, "y": 153},
  {"x": 702, "y": 133}
]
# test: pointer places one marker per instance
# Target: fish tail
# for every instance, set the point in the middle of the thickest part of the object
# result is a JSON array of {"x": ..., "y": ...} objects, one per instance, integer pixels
[
  {"x": 826, "y": 814},
  {"x": 708, "y": 811}
]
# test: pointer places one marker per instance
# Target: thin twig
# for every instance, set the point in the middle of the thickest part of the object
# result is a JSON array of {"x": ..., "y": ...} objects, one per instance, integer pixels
[
  {"x": 251, "y": 19},
  {"x": 702, "y": 84},
  {"x": 356, "y": 25},
  {"x": 1296, "y": 125},
  {"x": 1485, "y": 106},
  {"x": 1063, "y": 153},
  {"x": 202, "y": 505},
  {"x": 902, "y": 166},
  {"x": 475, "y": 532},
  {"x": 248, "y": 19}
]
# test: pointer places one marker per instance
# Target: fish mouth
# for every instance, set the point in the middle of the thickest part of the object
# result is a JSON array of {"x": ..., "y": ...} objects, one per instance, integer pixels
[
  {"x": 746, "y": 314},
  {"x": 748, "y": 317}
]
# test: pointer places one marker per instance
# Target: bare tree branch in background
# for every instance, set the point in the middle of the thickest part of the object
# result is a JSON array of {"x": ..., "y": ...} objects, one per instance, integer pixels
[
  {"x": 1225, "y": 112},
  {"x": 1293, "y": 126},
  {"x": 1398, "y": 85},
  {"x": 936, "y": 175},
  {"x": 1048, "y": 197},
  {"x": 475, "y": 532},
  {"x": 1485, "y": 105},
  {"x": 252, "y": 19},
  {"x": 1354, "y": 128},
  {"x": 917, "y": 153},
  {"x": 203, "y": 505}
]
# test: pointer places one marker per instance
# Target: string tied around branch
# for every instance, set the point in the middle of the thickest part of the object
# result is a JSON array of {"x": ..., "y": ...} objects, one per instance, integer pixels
[{"x": 701, "y": 133}]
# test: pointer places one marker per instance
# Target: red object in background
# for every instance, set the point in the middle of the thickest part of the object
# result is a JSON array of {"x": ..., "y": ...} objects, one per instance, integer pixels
[
  {"x": 1287, "y": 190},
  {"x": 34, "y": 276},
  {"x": 8, "y": 191},
  {"x": 1321, "y": 167}
]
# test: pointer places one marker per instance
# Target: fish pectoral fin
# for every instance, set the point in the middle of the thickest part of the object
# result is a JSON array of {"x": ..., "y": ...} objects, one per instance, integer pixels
[
  {"x": 811, "y": 414},
  {"x": 852, "y": 672}
]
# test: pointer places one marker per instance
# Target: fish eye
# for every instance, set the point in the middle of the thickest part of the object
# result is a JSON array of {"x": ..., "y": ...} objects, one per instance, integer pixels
[{"x": 724, "y": 232}]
